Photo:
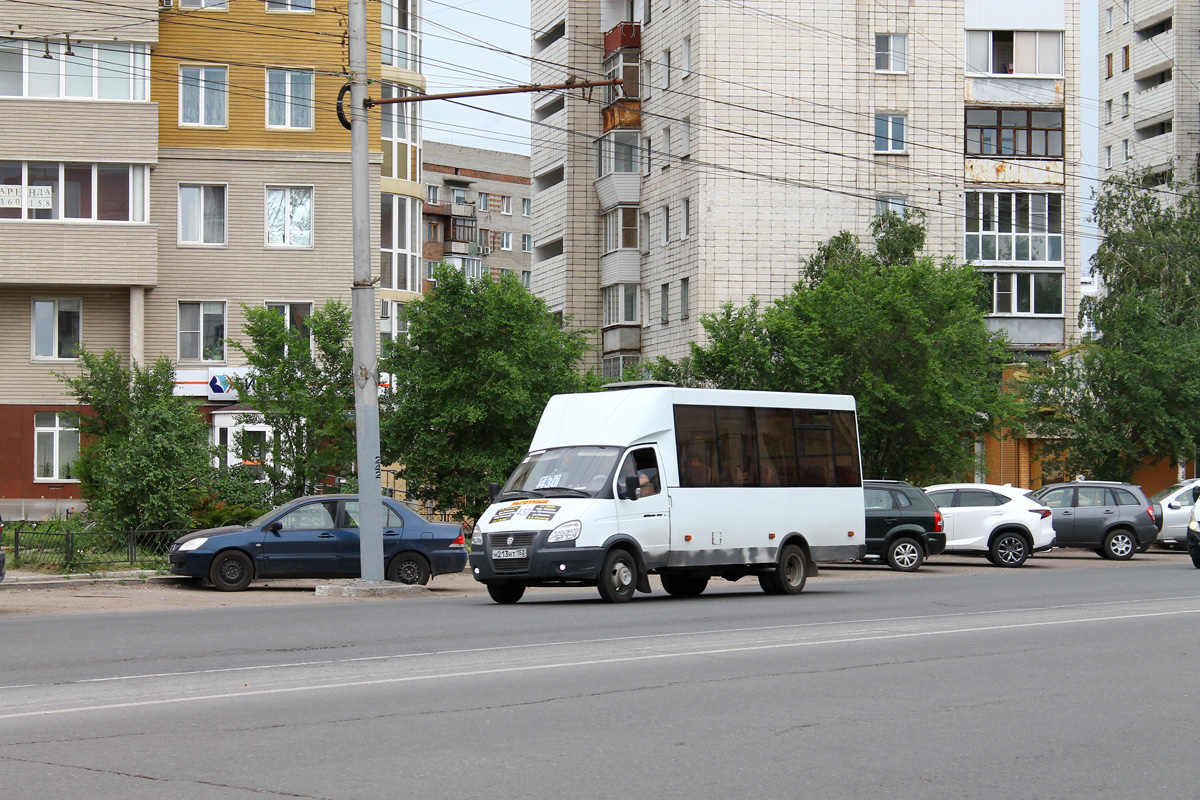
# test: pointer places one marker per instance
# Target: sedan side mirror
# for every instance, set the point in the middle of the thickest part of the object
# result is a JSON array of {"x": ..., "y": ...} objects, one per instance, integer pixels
[
  {"x": 274, "y": 527},
  {"x": 1174, "y": 504}
]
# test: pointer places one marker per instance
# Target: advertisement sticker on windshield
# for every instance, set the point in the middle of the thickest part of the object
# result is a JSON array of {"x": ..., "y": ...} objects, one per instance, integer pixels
[{"x": 537, "y": 512}]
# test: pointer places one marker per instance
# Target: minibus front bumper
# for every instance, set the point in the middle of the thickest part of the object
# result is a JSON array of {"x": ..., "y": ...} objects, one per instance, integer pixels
[{"x": 542, "y": 562}]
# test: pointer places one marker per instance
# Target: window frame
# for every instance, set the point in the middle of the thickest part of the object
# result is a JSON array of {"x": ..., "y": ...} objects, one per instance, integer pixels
[
  {"x": 202, "y": 85},
  {"x": 180, "y": 241},
  {"x": 1023, "y": 301},
  {"x": 984, "y": 219},
  {"x": 890, "y": 53},
  {"x": 526, "y": 242},
  {"x": 200, "y": 332},
  {"x": 506, "y": 240},
  {"x": 526, "y": 207},
  {"x": 287, "y": 243},
  {"x": 56, "y": 433},
  {"x": 897, "y": 204},
  {"x": 1039, "y": 69},
  {"x": 290, "y": 7},
  {"x": 684, "y": 299},
  {"x": 608, "y": 147},
  {"x": 890, "y": 120},
  {"x": 289, "y": 100},
  {"x": 616, "y": 229},
  {"x": 685, "y": 218},
  {"x": 1020, "y": 137},
  {"x": 135, "y": 197},
  {"x": 506, "y": 205},
  {"x": 620, "y": 304},
  {"x": 55, "y": 343}
]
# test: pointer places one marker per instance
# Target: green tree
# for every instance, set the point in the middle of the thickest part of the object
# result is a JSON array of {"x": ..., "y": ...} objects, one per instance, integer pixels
[
  {"x": 299, "y": 382},
  {"x": 903, "y": 333},
  {"x": 1130, "y": 394},
  {"x": 144, "y": 456},
  {"x": 469, "y": 384}
]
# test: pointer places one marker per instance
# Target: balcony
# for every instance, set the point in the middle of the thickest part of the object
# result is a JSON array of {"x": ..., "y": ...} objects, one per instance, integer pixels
[
  {"x": 1154, "y": 105},
  {"x": 623, "y": 34},
  {"x": 119, "y": 254},
  {"x": 1153, "y": 55}
]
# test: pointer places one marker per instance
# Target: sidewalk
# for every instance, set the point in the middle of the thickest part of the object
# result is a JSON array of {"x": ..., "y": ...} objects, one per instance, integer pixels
[{"x": 28, "y": 579}]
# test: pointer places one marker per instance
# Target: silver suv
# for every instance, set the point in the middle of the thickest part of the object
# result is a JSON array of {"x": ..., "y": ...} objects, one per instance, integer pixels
[
  {"x": 1177, "y": 502},
  {"x": 1114, "y": 519}
]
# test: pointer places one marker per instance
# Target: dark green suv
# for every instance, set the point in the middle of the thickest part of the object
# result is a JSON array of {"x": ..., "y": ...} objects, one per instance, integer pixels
[{"x": 904, "y": 527}]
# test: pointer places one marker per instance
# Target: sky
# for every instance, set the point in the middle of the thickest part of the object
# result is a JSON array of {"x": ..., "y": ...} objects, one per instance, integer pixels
[{"x": 483, "y": 44}]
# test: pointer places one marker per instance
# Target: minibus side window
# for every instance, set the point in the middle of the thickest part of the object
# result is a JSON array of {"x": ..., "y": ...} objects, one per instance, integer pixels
[
  {"x": 776, "y": 446},
  {"x": 845, "y": 448},
  {"x": 815, "y": 448},
  {"x": 696, "y": 445},
  {"x": 737, "y": 457}
]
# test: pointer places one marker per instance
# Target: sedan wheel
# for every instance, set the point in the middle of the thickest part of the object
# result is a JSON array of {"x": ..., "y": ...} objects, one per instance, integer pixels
[
  {"x": 409, "y": 568},
  {"x": 231, "y": 571}
]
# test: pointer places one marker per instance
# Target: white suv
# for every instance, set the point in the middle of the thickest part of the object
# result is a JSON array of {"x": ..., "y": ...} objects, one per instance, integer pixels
[{"x": 1002, "y": 522}]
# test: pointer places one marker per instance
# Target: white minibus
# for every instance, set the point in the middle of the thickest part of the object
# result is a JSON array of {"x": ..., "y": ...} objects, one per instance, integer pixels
[{"x": 686, "y": 484}]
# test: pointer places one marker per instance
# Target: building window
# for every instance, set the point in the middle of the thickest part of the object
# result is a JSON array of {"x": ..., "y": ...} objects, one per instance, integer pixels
[
  {"x": 431, "y": 193},
  {"x": 1125, "y": 10},
  {"x": 626, "y": 65},
  {"x": 1027, "y": 293},
  {"x": 289, "y": 98},
  {"x": 664, "y": 300},
  {"x": 666, "y": 69},
  {"x": 433, "y": 232},
  {"x": 56, "y": 327},
  {"x": 506, "y": 240},
  {"x": 1128, "y": 153},
  {"x": 526, "y": 279},
  {"x": 1108, "y": 156},
  {"x": 472, "y": 268},
  {"x": 889, "y": 204},
  {"x": 203, "y": 96},
  {"x": 891, "y": 52},
  {"x": 56, "y": 445},
  {"x": 621, "y": 304},
  {"x": 647, "y": 155},
  {"x": 100, "y": 71},
  {"x": 296, "y": 316},
  {"x": 1014, "y": 226},
  {"x": 685, "y": 57},
  {"x": 290, "y": 216},
  {"x": 483, "y": 202},
  {"x": 289, "y": 5},
  {"x": 74, "y": 192},
  {"x": 202, "y": 331},
  {"x": 666, "y": 147},
  {"x": 889, "y": 133},
  {"x": 458, "y": 195},
  {"x": 209, "y": 4},
  {"x": 686, "y": 217},
  {"x": 1108, "y": 19},
  {"x": 399, "y": 45},
  {"x": 1108, "y": 111},
  {"x": 644, "y": 232},
  {"x": 684, "y": 303},
  {"x": 685, "y": 138},
  {"x": 526, "y": 243},
  {"x": 393, "y": 322},
  {"x": 666, "y": 224},
  {"x": 1125, "y": 58},
  {"x": 621, "y": 228},
  {"x": 202, "y": 215},
  {"x": 526, "y": 207},
  {"x": 1108, "y": 70},
  {"x": 1125, "y": 104},
  {"x": 1014, "y": 132},
  {"x": 506, "y": 204},
  {"x": 400, "y": 248},
  {"x": 1015, "y": 52},
  {"x": 617, "y": 151}
]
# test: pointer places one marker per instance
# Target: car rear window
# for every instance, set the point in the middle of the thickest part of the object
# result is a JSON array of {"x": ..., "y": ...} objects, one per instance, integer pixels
[
  {"x": 974, "y": 498},
  {"x": 900, "y": 500},
  {"x": 1126, "y": 498},
  {"x": 942, "y": 499}
]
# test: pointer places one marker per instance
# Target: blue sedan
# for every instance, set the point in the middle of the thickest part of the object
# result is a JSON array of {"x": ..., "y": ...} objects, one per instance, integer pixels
[{"x": 317, "y": 537}]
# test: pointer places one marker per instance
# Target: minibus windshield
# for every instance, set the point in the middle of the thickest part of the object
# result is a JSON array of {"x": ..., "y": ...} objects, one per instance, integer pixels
[{"x": 563, "y": 472}]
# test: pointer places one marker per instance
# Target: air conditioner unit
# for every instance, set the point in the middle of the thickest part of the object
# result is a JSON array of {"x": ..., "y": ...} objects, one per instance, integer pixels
[{"x": 165, "y": 3}]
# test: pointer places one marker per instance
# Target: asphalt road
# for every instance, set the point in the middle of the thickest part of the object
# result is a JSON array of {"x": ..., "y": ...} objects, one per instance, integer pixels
[{"x": 1069, "y": 678}]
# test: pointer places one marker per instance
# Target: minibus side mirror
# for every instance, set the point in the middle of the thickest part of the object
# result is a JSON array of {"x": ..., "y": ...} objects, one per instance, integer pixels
[
  {"x": 629, "y": 490},
  {"x": 493, "y": 491}
]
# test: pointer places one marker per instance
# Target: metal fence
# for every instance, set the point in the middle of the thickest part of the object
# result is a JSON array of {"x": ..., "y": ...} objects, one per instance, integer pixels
[{"x": 52, "y": 544}]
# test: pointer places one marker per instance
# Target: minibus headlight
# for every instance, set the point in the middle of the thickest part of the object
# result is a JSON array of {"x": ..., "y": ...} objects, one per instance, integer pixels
[
  {"x": 567, "y": 532},
  {"x": 476, "y": 537},
  {"x": 1194, "y": 526}
]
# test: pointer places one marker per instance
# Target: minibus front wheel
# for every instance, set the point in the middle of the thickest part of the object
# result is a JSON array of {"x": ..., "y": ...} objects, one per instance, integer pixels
[
  {"x": 505, "y": 592},
  {"x": 618, "y": 577}
]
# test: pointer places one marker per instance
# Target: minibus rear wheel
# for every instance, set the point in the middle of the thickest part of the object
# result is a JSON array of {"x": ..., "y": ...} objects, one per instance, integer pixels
[{"x": 790, "y": 574}]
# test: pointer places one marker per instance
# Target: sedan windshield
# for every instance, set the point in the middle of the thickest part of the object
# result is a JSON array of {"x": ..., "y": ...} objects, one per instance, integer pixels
[{"x": 563, "y": 472}]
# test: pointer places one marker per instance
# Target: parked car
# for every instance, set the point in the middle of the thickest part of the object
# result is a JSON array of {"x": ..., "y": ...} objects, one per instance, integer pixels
[
  {"x": 1114, "y": 519},
  {"x": 1193, "y": 539},
  {"x": 904, "y": 527},
  {"x": 317, "y": 537},
  {"x": 1003, "y": 523},
  {"x": 1177, "y": 502}
]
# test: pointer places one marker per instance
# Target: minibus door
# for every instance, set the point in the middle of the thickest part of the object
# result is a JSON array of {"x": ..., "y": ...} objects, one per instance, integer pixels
[{"x": 647, "y": 518}]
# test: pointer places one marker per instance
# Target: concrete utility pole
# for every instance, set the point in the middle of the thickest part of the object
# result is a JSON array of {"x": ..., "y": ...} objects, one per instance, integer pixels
[
  {"x": 362, "y": 306},
  {"x": 362, "y": 296}
]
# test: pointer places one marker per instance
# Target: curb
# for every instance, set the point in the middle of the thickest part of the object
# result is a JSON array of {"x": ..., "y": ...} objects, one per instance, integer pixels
[
  {"x": 369, "y": 589},
  {"x": 86, "y": 579}
]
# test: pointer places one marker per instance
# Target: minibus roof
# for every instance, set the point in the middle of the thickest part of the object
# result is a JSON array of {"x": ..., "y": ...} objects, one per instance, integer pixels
[{"x": 633, "y": 415}]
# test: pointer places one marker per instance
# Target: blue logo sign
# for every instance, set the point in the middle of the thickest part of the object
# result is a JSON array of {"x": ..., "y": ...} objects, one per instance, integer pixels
[{"x": 220, "y": 384}]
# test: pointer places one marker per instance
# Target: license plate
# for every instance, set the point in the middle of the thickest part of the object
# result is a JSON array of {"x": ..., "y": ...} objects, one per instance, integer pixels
[{"x": 516, "y": 552}]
